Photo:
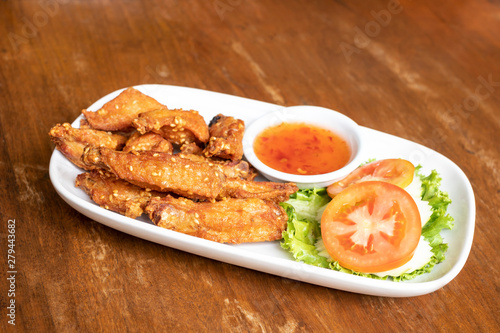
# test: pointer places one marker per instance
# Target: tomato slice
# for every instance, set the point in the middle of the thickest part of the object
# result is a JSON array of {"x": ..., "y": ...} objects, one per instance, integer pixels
[
  {"x": 371, "y": 227},
  {"x": 395, "y": 171}
]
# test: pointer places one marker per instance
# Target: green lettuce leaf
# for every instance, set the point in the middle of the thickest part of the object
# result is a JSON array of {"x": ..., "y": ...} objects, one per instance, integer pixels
[
  {"x": 302, "y": 230},
  {"x": 439, "y": 220},
  {"x": 308, "y": 202}
]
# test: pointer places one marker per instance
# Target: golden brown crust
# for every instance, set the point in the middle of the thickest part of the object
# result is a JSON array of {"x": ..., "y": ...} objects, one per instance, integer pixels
[
  {"x": 191, "y": 148},
  {"x": 161, "y": 172},
  {"x": 240, "y": 188},
  {"x": 115, "y": 194},
  {"x": 84, "y": 123},
  {"x": 147, "y": 142},
  {"x": 118, "y": 114},
  {"x": 72, "y": 141},
  {"x": 177, "y": 126},
  {"x": 230, "y": 169},
  {"x": 229, "y": 221},
  {"x": 226, "y": 134},
  {"x": 191, "y": 179}
]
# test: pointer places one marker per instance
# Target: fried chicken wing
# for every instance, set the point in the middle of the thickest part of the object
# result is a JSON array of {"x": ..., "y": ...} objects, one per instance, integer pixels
[
  {"x": 118, "y": 114},
  {"x": 177, "y": 126},
  {"x": 115, "y": 194},
  {"x": 226, "y": 134},
  {"x": 71, "y": 141},
  {"x": 192, "y": 179},
  {"x": 240, "y": 188},
  {"x": 161, "y": 172},
  {"x": 229, "y": 221},
  {"x": 149, "y": 141}
]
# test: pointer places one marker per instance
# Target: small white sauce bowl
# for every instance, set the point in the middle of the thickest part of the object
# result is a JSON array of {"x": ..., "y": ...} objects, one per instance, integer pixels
[{"x": 328, "y": 119}]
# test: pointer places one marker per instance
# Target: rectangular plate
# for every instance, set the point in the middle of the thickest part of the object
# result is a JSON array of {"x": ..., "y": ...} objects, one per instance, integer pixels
[{"x": 269, "y": 257}]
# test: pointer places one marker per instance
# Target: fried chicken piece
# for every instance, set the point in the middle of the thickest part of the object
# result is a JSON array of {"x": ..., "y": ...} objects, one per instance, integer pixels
[
  {"x": 149, "y": 141},
  {"x": 84, "y": 123},
  {"x": 177, "y": 126},
  {"x": 71, "y": 141},
  {"x": 230, "y": 169},
  {"x": 240, "y": 188},
  {"x": 191, "y": 148},
  {"x": 229, "y": 221},
  {"x": 170, "y": 173},
  {"x": 226, "y": 135},
  {"x": 118, "y": 114},
  {"x": 115, "y": 194},
  {"x": 161, "y": 172}
]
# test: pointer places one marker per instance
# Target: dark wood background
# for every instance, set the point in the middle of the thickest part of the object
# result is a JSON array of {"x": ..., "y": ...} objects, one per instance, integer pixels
[{"x": 411, "y": 68}]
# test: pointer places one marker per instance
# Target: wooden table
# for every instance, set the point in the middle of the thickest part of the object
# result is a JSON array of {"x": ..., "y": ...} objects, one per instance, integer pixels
[{"x": 423, "y": 70}]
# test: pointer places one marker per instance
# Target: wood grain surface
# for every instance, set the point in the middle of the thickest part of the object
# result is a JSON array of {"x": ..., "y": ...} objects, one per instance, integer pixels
[{"x": 427, "y": 71}]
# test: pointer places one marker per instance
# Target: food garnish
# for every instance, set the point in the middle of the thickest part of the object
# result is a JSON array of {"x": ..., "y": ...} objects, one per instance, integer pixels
[
  {"x": 395, "y": 171},
  {"x": 304, "y": 237},
  {"x": 371, "y": 227}
]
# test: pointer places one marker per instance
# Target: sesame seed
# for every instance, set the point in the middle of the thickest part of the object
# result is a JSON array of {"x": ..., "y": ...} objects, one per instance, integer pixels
[{"x": 131, "y": 168}]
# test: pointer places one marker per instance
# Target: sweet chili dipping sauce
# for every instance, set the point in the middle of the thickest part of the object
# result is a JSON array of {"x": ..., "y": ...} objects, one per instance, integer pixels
[{"x": 301, "y": 149}]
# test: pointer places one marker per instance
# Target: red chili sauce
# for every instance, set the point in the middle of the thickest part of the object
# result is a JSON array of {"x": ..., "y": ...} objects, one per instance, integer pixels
[{"x": 301, "y": 149}]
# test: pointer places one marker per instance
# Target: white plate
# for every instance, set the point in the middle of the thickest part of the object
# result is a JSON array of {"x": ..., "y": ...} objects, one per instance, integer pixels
[{"x": 269, "y": 257}]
